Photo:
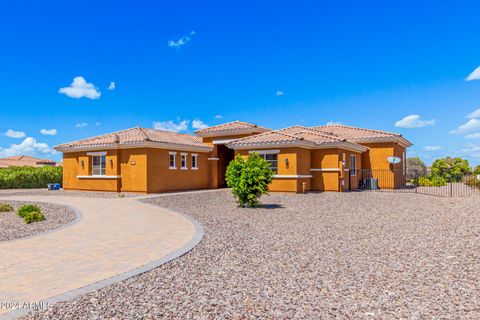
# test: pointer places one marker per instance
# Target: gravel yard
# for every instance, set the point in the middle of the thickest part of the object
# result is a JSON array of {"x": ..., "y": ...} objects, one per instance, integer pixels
[
  {"x": 13, "y": 227},
  {"x": 330, "y": 255}
]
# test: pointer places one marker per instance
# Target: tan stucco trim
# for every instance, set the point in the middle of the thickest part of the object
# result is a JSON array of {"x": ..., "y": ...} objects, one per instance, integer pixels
[
  {"x": 400, "y": 140},
  {"x": 293, "y": 176},
  {"x": 325, "y": 170},
  {"x": 99, "y": 177}
]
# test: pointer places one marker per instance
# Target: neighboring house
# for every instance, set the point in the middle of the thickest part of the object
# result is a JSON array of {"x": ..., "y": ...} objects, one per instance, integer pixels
[
  {"x": 325, "y": 158},
  {"x": 26, "y": 161}
]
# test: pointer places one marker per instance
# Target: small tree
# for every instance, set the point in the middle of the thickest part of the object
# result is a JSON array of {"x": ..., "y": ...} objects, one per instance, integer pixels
[
  {"x": 415, "y": 168},
  {"x": 249, "y": 179},
  {"x": 450, "y": 169},
  {"x": 476, "y": 171}
]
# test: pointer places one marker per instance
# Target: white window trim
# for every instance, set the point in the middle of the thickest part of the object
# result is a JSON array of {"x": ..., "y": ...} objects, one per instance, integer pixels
[
  {"x": 174, "y": 154},
  {"x": 354, "y": 173},
  {"x": 292, "y": 176},
  {"x": 99, "y": 177},
  {"x": 186, "y": 160},
  {"x": 213, "y": 159},
  {"x": 99, "y": 154},
  {"x": 196, "y": 161},
  {"x": 264, "y": 151}
]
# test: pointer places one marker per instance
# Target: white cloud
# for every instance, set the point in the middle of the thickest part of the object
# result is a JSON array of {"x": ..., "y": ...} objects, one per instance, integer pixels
[
  {"x": 413, "y": 121},
  {"x": 112, "y": 86},
  {"x": 471, "y": 125},
  {"x": 475, "y": 75},
  {"x": 29, "y": 146},
  {"x": 98, "y": 123},
  {"x": 331, "y": 123},
  {"x": 218, "y": 116},
  {"x": 474, "y": 114},
  {"x": 171, "y": 126},
  {"x": 473, "y": 136},
  {"x": 182, "y": 41},
  {"x": 48, "y": 132},
  {"x": 199, "y": 124},
  {"x": 14, "y": 134},
  {"x": 80, "y": 88},
  {"x": 81, "y": 125},
  {"x": 472, "y": 150},
  {"x": 432, "y": 148},
  {"x": 279, "y": 93}
]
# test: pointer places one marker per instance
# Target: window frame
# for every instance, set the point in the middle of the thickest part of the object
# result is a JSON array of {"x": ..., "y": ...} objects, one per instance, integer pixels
[
  {"x": 194, "y": 156},
  {"x": 102, "y": 165},
  {"x": 183, "y": 165},
  {"x": 174, "y": 154},
  {"x": 263, "y": 154},
  {"x": 353, "y": 164}
]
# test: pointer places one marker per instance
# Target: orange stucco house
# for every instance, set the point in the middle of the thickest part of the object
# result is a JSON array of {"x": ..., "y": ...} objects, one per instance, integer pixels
[{"x": 324, "y": 158}]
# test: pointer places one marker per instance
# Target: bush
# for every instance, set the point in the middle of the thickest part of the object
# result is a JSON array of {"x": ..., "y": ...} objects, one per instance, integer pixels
[
  {"x": 29, "y": 177},
  {"x": 431, "y": 181},
  {"x": 33, "y": 216},
  {"x": 31, "y": 213},
  {"x": 5, "y": 207},
  {"x": 249, "y": 179},
  {"x": 472, "y": 182},
  {"x": 27, "y": 208}
]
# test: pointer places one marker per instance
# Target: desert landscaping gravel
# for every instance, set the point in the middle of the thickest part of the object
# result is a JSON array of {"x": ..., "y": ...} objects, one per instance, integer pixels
[
  {"x": 14, "y": 227},
  {"x": 329, "y": 255}
]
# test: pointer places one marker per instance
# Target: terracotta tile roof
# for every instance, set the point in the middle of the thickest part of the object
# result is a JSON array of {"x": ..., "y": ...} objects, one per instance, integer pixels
[
  {"x": 321, "y": 135},
  {"x": 135, "y": 136},
  {"x": 354, "y": 133},
  {"x": 231, "y": 128},
  {"x": 25, "y": 161},
  {"x": 292, "y": 135}
]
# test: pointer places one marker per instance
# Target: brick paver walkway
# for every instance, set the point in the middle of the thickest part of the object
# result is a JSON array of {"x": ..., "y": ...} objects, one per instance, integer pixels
[{"x": 113, "y": 237}]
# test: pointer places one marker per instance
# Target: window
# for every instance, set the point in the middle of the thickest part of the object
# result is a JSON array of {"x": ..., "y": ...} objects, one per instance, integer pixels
[
  {"x": 172, "y": 160},
  {"x": 273, "y": 159},
  {"x": 183, "y": 161},
  {"x": 99, "y": 165},
  {"x": 194, "y": 161},
  {"x": 353, "y": 165}
]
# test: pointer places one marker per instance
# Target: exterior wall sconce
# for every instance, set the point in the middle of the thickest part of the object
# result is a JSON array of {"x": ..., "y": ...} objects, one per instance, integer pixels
[
  {"x": 82, "y": 164},
  {"x": 286, "y": 162},
  {"x": 111, "y": 163}
]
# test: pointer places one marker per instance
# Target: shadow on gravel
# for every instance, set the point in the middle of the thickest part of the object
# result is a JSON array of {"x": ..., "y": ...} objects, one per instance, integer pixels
[{"x": 271, "y": 206}]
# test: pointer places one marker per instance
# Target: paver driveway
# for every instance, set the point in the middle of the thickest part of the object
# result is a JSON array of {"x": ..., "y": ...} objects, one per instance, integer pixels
[{"x": 113, "y": 236}]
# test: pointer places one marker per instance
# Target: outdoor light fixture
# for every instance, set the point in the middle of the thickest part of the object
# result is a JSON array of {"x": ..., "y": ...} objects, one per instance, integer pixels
[
  {"x": 82, "y": 164},
  {"x": 286, "y": 162},
  {"x": 111, "y": 163}
]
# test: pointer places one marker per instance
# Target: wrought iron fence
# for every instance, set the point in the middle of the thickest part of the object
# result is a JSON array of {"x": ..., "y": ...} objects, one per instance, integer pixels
[{"x": 414, "y": 181}]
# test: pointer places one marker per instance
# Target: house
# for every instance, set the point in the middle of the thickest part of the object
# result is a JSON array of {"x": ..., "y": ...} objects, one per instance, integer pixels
[
  {"x": 26, "y": 161},
  {"x": 323, "y": 158}
]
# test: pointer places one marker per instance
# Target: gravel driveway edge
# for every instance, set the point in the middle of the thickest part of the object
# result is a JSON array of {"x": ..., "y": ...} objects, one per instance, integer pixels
[{"x": 196, "y": 239}]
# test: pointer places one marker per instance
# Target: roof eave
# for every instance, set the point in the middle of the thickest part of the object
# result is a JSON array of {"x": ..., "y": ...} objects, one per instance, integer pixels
[
  {"x": 155, "y": 145},
  {"x": 398, "y": 139},
  {"x": 232, "y": 132}
]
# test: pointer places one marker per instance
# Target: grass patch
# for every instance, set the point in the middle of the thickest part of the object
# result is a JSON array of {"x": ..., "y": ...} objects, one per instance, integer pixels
[
  {"x": 5, "y": 207},
  {"x": 30, "y": 213}
]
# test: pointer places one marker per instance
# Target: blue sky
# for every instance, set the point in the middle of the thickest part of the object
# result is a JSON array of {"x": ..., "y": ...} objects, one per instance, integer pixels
[{"x": 274, "y": 63}]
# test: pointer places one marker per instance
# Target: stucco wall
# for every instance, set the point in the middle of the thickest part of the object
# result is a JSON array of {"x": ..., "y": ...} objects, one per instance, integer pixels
[
  {"x": 161, "y": 178},
  {"x": 79, "y": 164}
]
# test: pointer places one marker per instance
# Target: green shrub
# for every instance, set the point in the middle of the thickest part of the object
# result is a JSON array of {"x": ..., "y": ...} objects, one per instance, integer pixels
[
  {"x": 33, "y": 216},
  {"x": 431, "y": 181},
  {"x": 30, "y": 213},
  {"x": 5, "y": 207},
  {"x": 27, "y": 208},
  {"x": 29, "y": 177},
  {"x": 249, "y": 179}
]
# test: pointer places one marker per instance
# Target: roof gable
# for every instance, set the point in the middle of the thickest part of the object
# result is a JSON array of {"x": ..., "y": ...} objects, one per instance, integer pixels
[{"x": 230, "y": 128}]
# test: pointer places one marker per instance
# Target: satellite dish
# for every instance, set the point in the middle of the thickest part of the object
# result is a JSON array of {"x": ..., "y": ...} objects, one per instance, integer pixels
[{"x": 394, "y": 160}]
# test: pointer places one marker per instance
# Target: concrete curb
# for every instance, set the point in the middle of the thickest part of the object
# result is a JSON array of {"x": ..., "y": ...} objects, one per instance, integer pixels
[{"x": 196, "y": 239}]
